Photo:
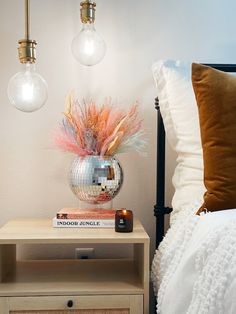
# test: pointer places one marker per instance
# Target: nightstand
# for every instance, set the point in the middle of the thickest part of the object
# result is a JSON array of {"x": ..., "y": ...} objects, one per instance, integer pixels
[{"x": 109, "y": 286}]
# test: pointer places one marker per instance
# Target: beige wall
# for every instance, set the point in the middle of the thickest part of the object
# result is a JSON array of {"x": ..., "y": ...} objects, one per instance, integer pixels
[{"x": 33, "y": 173}]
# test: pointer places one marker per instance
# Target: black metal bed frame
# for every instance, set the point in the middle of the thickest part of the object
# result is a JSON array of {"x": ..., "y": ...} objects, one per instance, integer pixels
[{"x": 160, "y": 210}]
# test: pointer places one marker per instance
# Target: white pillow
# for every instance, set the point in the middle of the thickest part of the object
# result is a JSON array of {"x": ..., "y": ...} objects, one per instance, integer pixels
[{"x": 180, "y": 116}]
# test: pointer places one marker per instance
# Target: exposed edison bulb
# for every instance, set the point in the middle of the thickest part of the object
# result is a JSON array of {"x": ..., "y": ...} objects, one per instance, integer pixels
[
  {"x": 27, "y": 90},
  {"x": 88, "y": 47}
]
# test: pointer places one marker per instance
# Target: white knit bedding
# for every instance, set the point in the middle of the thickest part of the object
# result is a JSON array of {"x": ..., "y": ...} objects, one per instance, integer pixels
[{"x": 194, "y": 270}]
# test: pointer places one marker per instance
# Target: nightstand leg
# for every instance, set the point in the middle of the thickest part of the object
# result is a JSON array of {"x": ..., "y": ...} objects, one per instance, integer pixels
[
  {"x": 141, "y": 258},
  {"x": 4, "y": 306},
  {"x": 7, "y": 260}
]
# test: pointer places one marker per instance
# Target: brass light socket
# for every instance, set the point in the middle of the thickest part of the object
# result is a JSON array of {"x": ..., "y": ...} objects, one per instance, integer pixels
[
  {"x": 87, "y": 11},
  {"x": 27, "y": 51}
]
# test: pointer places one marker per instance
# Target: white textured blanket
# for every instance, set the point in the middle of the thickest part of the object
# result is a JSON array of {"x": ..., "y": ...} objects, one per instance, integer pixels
[{"x": 194, "y": 270}]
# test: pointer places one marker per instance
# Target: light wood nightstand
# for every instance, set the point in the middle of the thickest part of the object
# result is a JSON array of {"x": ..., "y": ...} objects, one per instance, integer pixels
[{"x": 109, "y": 286}]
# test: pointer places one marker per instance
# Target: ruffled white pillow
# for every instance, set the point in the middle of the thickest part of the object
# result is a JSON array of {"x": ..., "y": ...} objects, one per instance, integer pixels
[{"x": 180, "y": 116}]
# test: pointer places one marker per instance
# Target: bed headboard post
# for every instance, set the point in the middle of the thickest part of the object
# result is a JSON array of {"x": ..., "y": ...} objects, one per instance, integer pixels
[{"x": 159, "y": 209}]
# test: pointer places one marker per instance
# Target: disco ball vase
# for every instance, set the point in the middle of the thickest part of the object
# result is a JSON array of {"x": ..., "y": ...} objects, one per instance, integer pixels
[{"x": 95, "y": 179}]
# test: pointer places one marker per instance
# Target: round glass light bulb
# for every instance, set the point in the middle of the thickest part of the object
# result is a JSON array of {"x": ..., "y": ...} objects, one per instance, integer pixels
[
  {"x": 27, "y": 90},
  {"x": 88, "y": 47}
]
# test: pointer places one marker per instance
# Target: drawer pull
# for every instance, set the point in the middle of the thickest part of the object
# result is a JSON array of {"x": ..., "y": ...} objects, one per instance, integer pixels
[{"x": 70, "y": 303}]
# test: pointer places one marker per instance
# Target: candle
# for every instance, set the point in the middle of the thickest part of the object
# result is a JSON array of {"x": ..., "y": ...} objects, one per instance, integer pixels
[{"x": 124, "y": 220}]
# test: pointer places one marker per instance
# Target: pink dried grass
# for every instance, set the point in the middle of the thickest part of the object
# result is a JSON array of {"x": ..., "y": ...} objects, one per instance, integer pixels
[{"x": 88, "y": 129}]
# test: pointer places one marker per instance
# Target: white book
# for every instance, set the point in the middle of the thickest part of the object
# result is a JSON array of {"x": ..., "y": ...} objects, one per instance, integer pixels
[{"x": 83, "y": 223}]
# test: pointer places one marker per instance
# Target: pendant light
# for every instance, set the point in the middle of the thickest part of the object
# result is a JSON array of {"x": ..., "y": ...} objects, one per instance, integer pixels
[
  {"x": 88, "y": 47},
  {"x": 27, "y": 90}
]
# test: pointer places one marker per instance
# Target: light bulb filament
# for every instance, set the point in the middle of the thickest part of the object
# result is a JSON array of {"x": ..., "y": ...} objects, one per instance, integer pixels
[
  {"x": 27, "y": 92},
  {"x": 89, "y": 47}
]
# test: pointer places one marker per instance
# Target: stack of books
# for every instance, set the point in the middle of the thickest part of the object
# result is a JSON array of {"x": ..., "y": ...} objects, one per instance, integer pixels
[{"x": 84, "y": 218}]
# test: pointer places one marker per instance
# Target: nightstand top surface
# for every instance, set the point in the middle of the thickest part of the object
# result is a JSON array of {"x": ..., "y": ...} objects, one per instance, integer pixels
[{"x": 41, "y": 231}]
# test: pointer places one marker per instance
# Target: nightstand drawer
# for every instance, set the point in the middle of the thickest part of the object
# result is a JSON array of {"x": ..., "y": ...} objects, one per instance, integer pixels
[{"x": 101, "y": 304}]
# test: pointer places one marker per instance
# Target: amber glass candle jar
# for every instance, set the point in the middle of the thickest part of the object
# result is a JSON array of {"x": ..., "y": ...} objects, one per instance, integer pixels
[{"x": 124, "y": 220}]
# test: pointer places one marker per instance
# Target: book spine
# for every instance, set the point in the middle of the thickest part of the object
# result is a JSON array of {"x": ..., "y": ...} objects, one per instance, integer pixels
[
  {"x": 83, "y": 223},
  {"x": 85, "y": 216}
]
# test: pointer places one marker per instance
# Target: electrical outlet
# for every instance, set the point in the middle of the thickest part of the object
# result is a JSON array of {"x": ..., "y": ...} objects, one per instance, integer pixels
[{"x": 84, "y": 253}]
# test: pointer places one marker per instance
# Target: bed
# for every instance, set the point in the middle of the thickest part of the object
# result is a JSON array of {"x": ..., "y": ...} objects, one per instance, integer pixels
[{"x": 194, "y": 267}]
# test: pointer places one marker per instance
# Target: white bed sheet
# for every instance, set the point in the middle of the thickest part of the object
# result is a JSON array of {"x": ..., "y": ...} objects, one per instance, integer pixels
[{"x": 195, "y": 269}]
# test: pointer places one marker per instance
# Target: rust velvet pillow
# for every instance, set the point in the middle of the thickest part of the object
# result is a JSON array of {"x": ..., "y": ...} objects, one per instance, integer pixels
[{"x": 215, "y": 92}]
